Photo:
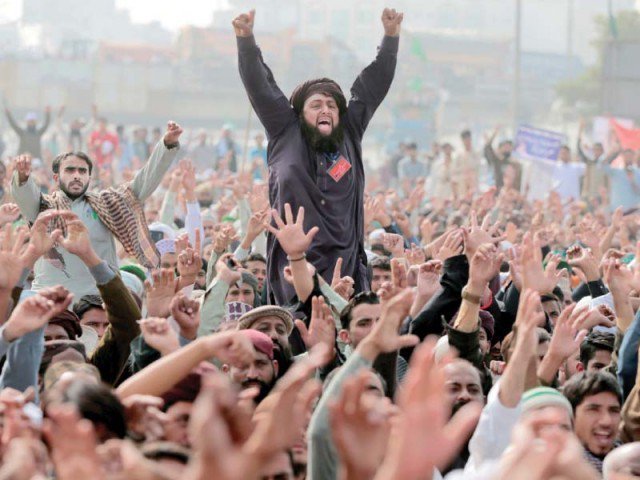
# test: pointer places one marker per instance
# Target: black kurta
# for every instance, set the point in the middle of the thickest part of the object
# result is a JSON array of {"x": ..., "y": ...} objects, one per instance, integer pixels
[{"x": 298, "y": 175}]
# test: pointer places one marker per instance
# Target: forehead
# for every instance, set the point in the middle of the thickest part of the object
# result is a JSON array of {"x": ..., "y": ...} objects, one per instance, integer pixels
[
  {"x": 319, "y": 97},
  {"x": 256, "y": 264},
  {"x": 381, "y": 271},
  {"x": 94, "y": 313},
  {"x": 269, "y": 321},
  {"x": 74, "y": 162},
  {"x": 462, "y": 374},
  {"x": 604, "y": 399},
  {"x": 366, "y": 310}
]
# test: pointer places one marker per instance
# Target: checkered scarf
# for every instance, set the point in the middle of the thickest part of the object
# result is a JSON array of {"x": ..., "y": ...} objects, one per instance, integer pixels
[{"x": 121, "y": 211}]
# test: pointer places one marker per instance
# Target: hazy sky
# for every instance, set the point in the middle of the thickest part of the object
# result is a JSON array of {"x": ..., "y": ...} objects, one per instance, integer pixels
[{"x": 170, "y": 13}]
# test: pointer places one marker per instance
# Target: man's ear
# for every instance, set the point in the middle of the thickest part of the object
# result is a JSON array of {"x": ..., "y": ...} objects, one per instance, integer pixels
[
  {"x": 56, "y": 177},
  {"x": 276, "y": 367},
  {"x": 580, "y": 367},
  {"x": 225, "y": 368},
  {"x": 344, "y": 337}
]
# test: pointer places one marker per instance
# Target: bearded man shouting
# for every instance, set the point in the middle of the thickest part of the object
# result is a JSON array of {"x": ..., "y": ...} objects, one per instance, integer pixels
[{"x": 315, "y": 153}]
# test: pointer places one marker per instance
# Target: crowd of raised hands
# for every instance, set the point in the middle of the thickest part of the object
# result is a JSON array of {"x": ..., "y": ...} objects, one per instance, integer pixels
[{"x": 557, "y": 280}]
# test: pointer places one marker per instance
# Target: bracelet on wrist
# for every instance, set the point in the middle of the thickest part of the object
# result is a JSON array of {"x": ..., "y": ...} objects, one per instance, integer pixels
[{"x": 304, "y": 256}]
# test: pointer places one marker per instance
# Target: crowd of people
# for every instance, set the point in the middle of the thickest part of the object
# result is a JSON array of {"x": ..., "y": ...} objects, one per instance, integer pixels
[{"x": 188, "y": 309}]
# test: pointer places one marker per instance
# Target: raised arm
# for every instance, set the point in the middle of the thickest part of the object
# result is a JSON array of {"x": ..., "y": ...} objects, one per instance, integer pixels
[
  {"x": 111, "y": 355},
  {"x": 24, "y": 189},
  {"x": 47, "y": 120},
  {"x": 150, "y": 176},
  {"x": 583, "y": 156},
  {"x": 232, "y": 348},
  {"x": 295, "y": 242},
  {"x": 268, "y": 101},
  {"x": 373, "y": 83},
  {"x": 13, "y": 123}
]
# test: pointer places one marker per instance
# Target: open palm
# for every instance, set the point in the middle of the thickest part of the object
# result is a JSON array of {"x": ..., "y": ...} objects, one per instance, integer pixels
[{"x": 291, "y": 234}]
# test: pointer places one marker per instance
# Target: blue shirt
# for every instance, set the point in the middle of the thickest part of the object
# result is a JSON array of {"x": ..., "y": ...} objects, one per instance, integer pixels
[{"x": 624, "y": 192}]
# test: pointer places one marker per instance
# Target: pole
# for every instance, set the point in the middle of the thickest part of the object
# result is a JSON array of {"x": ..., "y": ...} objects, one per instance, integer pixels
[
  {"x": 245, "y": 148},
  {"x": 569, "y": 50},
  {"x": 515, "y": 89}
]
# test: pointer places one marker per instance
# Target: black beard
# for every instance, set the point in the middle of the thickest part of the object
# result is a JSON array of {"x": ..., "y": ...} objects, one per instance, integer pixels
[
  {"x": 322, "y": 143},
  {"x": 72, "y": 196},
  {"x": 283, "y": 356},
  {"x": 457, "y": 406},
  {"x": 265, "y": 388}
]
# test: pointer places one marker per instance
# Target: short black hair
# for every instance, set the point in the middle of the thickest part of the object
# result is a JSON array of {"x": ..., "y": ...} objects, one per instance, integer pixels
[
  {"x": 465, "y": 133},
  {"x": 587, "y": 384},
  {"x": 97, "y": 403},
  {"x": 86, "y": 303},
  {"x": 594, "y": 342},
  {"x": 364, "y": 297},
  {"x": 255, "y": 257},
  {"x": 381, "y": 263},
  {"x": 55, "y": 166}
]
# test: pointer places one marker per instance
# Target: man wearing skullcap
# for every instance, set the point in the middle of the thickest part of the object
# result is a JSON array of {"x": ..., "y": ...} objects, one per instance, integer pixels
[{"x": 315, "y": 154}]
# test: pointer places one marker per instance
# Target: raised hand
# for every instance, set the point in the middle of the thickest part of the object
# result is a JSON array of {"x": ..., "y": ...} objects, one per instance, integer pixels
[
  {"x": 186, "y": 313},
  {"x": 291, "y": 235},
  {"x": 229, "y": 275},
  {"x": 360, "y": 428},
  {"x": 188, "y": 176},
  {"x": 40, "y": 240},
  {"x": 618, "y": 277},
  {"x": 259, "y": 198},
  {"x": 77, "y": 240},
  {"x": 402, "y": 221},
  {"x": 429, "y": 278},
  {"x": 393, "y": 243},
  {"x": 144, "y": 417},
  {"x": 255, "y": 227},
  {"x": 216, "y": 447},
  {"x": 343, "y": 286},
  {"x": 484, "y": 265},
  {"x": 36, "y": 311},
  {"x": 172, "y": 135},
  {"x": 223, "y": 238},
  {"x": 9, "y": 212},
  {"x": 427, "y": 229},
  {"x": 321, "y": 329},
  {"x": 232, "y": 347},
  {"x": 292, "y": 398},
  {"x": 243, "y": 24},
  {"x": 534, "y": 276},
  {"x": 73, "y": 444},
  {"x": 601, "y": 315},
  {"x": 475, "y": 235},
  {"x": 415, "y": 255},
  {"x": 567, "y": 337},
  {"x": 452, "y": 246},
  {"x": 423, "y": 436},
  {"x": 391, "y": 21},
  {"x": 23, "y": 167},
  {"x": 160, "y": 292},
  {"x": 158, "y": 334},
  {"x": 12, "y": 257},
  {"x": 385, "y": 336},
  {"x": 584, "y": 260},
  {"x": 190, "y": 263}
]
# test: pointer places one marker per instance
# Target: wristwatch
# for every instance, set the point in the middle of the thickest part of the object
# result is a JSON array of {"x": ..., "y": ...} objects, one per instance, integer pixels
[{"x": 470, "y": 297}]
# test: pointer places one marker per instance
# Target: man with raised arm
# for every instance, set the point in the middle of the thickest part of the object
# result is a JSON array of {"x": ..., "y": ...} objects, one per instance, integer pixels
[
  {"x": 114, "y": 212},
  {"x": 315, "y": 155}
]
